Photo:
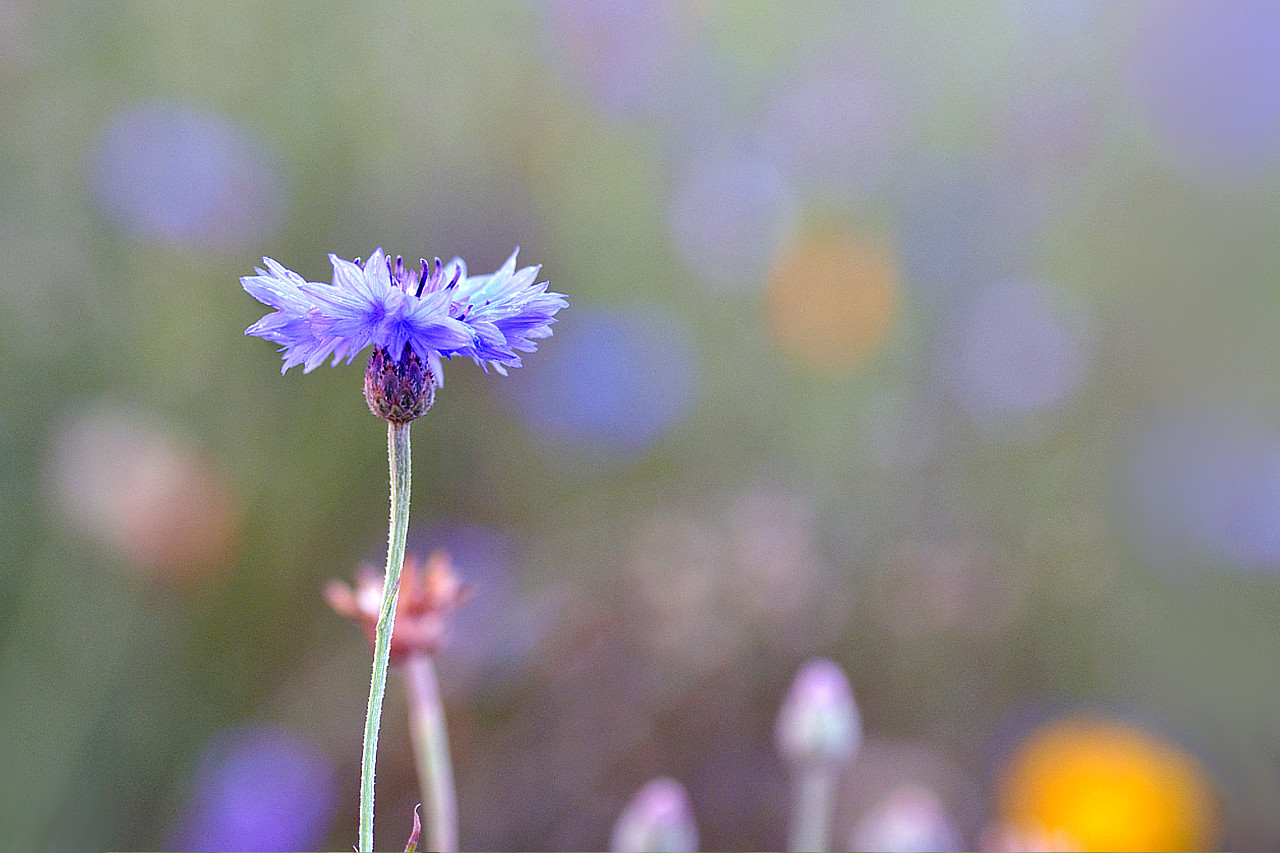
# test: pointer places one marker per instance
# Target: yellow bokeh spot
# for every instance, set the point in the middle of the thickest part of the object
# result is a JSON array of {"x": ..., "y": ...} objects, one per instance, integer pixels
[
  {"x": 1107, "y": 786},
  {"x": 832, "y": 299}
]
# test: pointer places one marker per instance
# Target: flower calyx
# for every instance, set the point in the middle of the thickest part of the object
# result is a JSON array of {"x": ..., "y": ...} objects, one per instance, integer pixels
[{"x": 398, "y": 390}]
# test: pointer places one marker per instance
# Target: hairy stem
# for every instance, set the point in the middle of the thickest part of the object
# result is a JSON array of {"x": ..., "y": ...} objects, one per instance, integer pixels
[
  {"x": 431, "y": 751},
  {"x": 398, "y": 457}
]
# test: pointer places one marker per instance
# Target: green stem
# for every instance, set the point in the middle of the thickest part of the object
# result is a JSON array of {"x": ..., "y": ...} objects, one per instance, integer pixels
[
  {"x": 431, "y": 750},
  {"x": 398, "y": 457},
  {"x": 815, "y": 789}
]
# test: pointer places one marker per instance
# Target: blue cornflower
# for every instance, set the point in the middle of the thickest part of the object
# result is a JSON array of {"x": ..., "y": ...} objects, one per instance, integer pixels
[
  {"x": 409, "y": 316},
  {"x": 435, "y": 312}
]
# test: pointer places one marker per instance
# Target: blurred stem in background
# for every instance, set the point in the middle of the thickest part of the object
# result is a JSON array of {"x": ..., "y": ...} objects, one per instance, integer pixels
[
  {"x": 814, "y": 791},
  {"x": 398, "y": 458},
  {"x": 431, "y": 752}
]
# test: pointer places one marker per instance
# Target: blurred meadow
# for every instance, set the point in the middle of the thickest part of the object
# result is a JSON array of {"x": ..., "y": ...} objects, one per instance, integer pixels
[{"x": 938, "y": 339}]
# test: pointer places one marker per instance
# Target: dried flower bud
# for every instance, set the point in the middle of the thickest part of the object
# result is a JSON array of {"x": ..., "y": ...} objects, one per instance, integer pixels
[
  {"x": 428, "y": 596},
  {"x": 398, "y": 391},
  {"x": 658, "y": 818},
  {"x": 819, "y": 722}
]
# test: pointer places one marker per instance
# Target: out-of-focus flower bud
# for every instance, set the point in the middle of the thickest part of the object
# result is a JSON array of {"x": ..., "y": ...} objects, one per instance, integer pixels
[
  {"x": 429, "y": 594},
  {"x": 657, "y": 819},
  {"x": 910, "y": 818},
  {"x": 819, "y": 723}
]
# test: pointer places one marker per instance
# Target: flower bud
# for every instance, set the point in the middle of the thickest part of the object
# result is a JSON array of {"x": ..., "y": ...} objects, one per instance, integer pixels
[
  {"x": 819, "y": 722},
  {"x": 430, "y": 592},
  {"x": 398, "y": 391},
  {"x": 412, "y": 845},
  {"x": 911, "y": 817},
  {"x": 658, "y": 818}
]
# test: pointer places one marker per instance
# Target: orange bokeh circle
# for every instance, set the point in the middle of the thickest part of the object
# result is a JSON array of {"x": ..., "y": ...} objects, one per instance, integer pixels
[{"x": 832, "y": 299}]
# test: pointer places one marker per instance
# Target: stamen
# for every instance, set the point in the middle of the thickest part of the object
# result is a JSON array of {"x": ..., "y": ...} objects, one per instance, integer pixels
[{"x": 422, "y": 282}]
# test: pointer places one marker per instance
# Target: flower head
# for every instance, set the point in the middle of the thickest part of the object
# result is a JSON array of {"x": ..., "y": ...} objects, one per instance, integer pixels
[
  {"x": 429, "y": 594},
  {"x": 436, "y": 310}
]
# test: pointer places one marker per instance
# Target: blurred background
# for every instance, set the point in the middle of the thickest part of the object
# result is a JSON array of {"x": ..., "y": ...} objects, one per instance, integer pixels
[{"x": 937, "y": 339}]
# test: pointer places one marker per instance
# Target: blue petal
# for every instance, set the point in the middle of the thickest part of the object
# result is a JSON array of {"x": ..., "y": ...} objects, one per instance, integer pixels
[{"x": 488, "y": 318}]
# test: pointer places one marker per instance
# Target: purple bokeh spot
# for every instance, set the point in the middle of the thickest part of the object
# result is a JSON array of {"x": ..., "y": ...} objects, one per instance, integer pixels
[
  {"x": 169, "y": 173},
  {"x": 965, "y": 227},
  {"x": 1017, "y": 353},
  {"x": 729, "y": 213},
  {"x": 835, "y": 128},
  {"x": 635, "y": 58},
  {"x": 258, "y": 788},
  {"x": 1054, "y": 128},
  {"x": 1207, "y": 485},
  {"x": 497, "y": 630},
  {"x": 1056, "y": 20},
  {"x": 1206, "y": 76},
  {"x": 616, "y": 381}
]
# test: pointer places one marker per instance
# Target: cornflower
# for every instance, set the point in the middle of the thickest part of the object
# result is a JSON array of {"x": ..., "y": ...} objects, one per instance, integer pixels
[{"x": 413, "y": 319}]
